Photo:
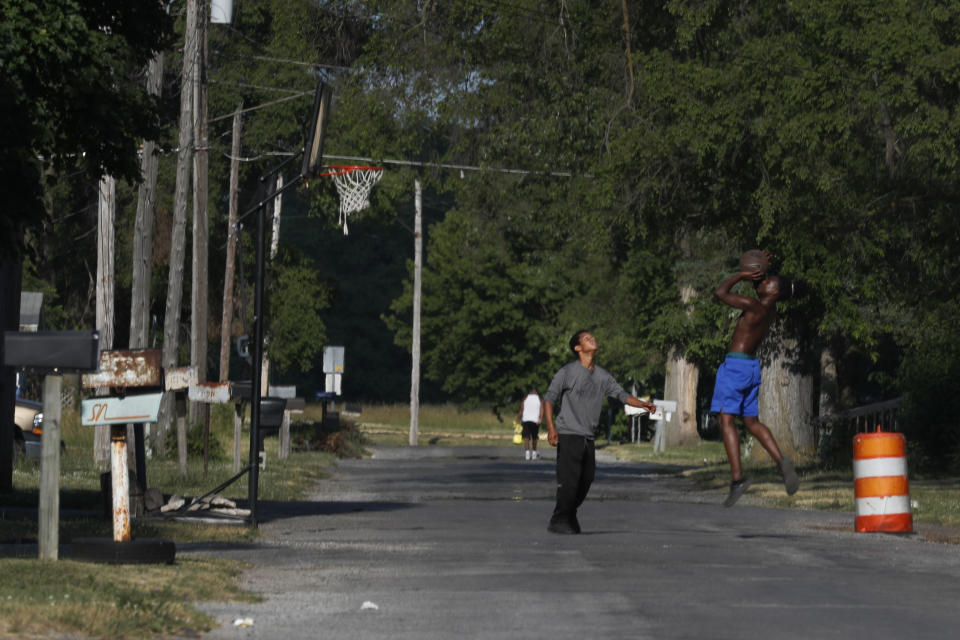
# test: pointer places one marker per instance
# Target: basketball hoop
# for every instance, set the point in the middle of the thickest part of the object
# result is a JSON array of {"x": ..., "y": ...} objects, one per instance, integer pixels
[{"x": 353, "y": 186}]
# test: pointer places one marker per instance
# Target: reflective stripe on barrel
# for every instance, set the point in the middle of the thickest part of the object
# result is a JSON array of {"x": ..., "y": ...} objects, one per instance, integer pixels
[{"x": 881, "y": 487}]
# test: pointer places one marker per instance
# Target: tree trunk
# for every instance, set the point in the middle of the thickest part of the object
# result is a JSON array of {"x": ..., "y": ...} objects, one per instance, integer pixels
[
  {"x": 274, "y": 246},
  {"x": 142, "y": 263},
  {"x": 829, "y": 385},
  {"x": 681, "y": 385},
  {"x": 105, "y": 233},
  {"x": 226, "y": 322},
  {"x": 786, "y": 395},
  {"x": 171, "y": 318},
  {"x": 143, "y": 226},
  {"x": 275, "y": 223}
]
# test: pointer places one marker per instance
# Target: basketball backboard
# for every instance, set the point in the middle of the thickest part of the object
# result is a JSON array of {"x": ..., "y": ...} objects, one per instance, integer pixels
[{"x": 313, "y": 147}]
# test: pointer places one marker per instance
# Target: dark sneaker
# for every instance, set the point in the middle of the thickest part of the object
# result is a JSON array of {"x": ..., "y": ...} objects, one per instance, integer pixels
[
  {"x": 789, "y": 473},
  {"x": 562, "y": 528},
  {"x": 737, "y": 488}
]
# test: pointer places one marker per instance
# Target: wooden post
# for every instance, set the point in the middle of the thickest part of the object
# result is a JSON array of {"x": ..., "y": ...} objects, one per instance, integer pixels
[
  {"x": 226, "y": 321},
  {"x": 237, "y": 426},
  {"x": 284, "y": 436},
  {"x": 105, "y": 241},
  {"x": 182, "y": 444},
  {"x": 201, "y": 225},
  {"x": 415, "y": 348},
  {"x": 49, "y": 515},
  {"x": 171, "y": 319}
]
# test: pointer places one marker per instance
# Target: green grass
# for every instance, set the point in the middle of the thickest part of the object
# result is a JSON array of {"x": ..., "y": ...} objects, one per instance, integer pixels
[
  {"x": 444, "y": 425},
  {"x": 38, "y": 599}
]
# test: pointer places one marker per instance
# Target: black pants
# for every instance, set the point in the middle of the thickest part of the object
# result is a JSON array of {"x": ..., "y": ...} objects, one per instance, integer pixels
[{"x": 576, "y": 464}]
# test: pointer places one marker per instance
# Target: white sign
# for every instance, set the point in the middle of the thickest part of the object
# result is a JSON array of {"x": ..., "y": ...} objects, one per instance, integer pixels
[
  {"x": 333, "y": 359},
  {"x": 282, "y": 391},
  {"x": 221, "y": 11},
  {"x": 210, "y": 392},
  {"x": 179, "y": 378},
  {"x": 135, "y": 409}
]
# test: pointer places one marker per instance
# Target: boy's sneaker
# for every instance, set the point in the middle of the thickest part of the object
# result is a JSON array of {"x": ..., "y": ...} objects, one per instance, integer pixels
[
  {"x": 535, "y": 455},
  {"x": 789, "y": 473},
  {"x": 737, "y": 488},
  {"x": 526, "y": 454}
]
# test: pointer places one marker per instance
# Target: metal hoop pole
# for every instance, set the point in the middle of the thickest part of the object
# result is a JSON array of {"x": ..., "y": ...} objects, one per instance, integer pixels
[{"x": 255, "y": 382}]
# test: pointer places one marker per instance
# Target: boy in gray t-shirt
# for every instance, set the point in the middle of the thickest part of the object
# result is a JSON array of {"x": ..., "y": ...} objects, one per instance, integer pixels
[{"x": 581, "y": 386}]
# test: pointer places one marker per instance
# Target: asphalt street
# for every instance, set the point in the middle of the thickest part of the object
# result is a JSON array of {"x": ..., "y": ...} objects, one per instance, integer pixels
[{"x": 430, "y": 543}]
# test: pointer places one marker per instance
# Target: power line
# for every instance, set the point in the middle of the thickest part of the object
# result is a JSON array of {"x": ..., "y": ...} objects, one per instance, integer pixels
[
  {"x": 247, "y": 85},
  {"x": 459, "y": 167},
  {"x": 262, "y": 106},
  {"x": 312, "y": 65}
]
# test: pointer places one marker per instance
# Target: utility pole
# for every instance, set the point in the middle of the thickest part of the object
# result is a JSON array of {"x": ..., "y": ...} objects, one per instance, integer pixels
[
  {"x": 232, "y": 238},
  {"x": 201, "y": 226},
  {"x": 415, "y": 347},
  {"x": 171, "y": 319}
]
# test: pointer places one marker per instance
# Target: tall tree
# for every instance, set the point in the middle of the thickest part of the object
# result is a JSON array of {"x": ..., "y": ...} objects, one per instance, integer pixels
[{"x": 67, "y": 99}]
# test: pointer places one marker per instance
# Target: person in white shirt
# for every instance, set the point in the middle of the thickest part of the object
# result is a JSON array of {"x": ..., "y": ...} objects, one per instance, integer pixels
[{"x": 530, "y": 416}]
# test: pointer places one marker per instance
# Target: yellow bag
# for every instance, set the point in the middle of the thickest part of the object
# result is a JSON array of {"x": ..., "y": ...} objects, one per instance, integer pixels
[{"x": 517, "y": 433}]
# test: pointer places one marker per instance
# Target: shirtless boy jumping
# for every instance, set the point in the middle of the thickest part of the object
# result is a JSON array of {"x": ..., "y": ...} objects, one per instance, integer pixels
[{"x": 738, "y": 378}]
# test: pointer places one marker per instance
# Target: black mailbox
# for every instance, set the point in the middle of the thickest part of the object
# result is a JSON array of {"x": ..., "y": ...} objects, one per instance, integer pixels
[
  {"x": 271, "y": 412},
  {"x": 63, "y": 351},
  {"x": 241, "y": 389}
]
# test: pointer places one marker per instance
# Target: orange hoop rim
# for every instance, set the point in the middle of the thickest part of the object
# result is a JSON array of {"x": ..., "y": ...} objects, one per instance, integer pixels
[{"x": 341, "y": 169}]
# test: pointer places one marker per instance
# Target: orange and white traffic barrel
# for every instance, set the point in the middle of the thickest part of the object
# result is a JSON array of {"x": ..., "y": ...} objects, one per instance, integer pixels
[{"x": 881, "y": 488}]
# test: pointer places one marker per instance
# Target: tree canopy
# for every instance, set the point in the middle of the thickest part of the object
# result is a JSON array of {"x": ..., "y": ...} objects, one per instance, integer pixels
[
  {"x": 67, "y": 97},
  {"x": 823, "y": 131},
  {"x": 612, "y": 167}
]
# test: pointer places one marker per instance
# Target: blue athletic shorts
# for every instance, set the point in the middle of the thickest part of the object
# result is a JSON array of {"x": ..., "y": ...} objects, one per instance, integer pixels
[{"x": 737, "y": 387}]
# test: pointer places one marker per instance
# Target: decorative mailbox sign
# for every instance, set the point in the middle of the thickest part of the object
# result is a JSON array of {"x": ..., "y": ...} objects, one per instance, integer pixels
[{"x": 132, "y": 409}]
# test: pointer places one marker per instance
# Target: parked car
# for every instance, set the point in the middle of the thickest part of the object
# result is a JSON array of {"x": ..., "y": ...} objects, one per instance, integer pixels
[{"x": 28, "y": 434}]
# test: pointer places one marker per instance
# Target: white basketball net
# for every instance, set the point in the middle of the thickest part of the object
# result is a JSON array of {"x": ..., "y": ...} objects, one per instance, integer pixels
[{"x": 353, "y": 186}]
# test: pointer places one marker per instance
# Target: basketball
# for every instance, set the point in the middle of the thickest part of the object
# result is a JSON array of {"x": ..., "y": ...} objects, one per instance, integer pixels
[{"x": 753, "y": 260}]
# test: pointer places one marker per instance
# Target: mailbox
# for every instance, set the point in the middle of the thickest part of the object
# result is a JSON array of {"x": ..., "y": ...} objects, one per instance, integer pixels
[
  {"x": 61, "y": 351},
  {"x": 271, "y": 412}
]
